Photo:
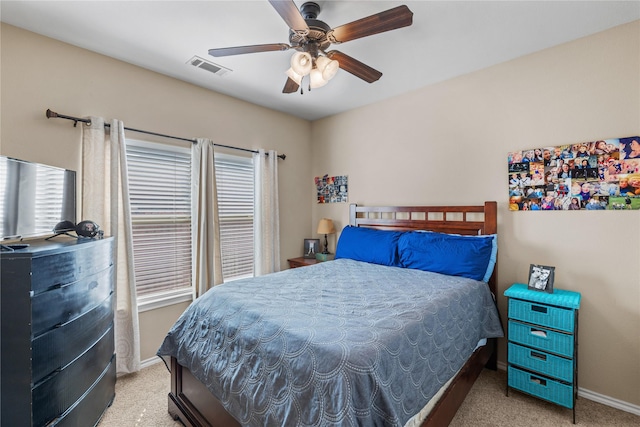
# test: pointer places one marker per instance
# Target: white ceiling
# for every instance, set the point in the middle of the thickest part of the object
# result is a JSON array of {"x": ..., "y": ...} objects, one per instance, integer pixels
[{"x": 447, "y": 39}]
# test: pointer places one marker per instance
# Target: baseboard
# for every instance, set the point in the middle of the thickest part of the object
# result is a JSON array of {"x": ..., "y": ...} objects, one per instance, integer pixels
[
  {"x": 149, "y": 362},
  {"x": 609, "y": 401},
  {"x": 597, "y": 397}
]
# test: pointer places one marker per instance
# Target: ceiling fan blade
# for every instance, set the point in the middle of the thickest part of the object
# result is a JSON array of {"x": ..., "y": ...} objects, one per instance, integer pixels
[
  {"x": 290, "y": 86},
  {"x": 291, "y": 15},
  {"x": 388, "y": 20},
  {"x": 355, "y": 67},
  {"x": 240, "y": 50}
]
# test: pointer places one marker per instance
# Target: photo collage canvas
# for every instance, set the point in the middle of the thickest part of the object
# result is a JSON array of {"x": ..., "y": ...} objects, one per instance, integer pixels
[
  {"x": 594, "y": 175},
  {"x": 332, "y": 189}
]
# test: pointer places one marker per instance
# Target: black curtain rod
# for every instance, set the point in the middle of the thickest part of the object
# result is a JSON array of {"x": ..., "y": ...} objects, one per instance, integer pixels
[{"x": 75, "y": 120}]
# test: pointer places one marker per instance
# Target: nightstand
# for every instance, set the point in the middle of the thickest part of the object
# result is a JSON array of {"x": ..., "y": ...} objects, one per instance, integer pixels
[
  {"x": 301, "y": 262},
  {"x": 542, "y": 352}
]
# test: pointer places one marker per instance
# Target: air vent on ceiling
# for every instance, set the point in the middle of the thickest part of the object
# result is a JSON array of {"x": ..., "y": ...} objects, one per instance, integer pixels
[{"x": 216, "y": 69}]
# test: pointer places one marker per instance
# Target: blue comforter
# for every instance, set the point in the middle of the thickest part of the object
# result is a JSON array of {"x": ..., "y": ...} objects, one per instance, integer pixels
[{"x": 340, "y": 343}]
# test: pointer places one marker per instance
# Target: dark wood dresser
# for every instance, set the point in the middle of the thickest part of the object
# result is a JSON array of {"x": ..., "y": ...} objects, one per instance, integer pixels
[{"x": 57, "y": 355}]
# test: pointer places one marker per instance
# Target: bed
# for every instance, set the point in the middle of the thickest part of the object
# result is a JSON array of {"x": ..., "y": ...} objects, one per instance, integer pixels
[{"x": 358, "y": 353}]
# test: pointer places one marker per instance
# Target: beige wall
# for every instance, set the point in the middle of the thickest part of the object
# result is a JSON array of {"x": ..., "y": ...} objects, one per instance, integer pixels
[
  {"x": 39, "y": 73},
  {"x": 448, "y": 144}
]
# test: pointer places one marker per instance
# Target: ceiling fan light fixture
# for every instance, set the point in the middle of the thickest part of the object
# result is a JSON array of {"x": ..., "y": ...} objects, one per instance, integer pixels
[
  {"x": 301, "y": 63},
  {"x": 316, "y": 80},
  {"x": 328, "y": 67},
  {"x": 294, "y": 76}
]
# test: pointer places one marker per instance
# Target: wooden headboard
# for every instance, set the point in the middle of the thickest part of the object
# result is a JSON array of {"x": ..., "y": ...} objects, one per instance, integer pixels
[{"x": 467, "y": 220}]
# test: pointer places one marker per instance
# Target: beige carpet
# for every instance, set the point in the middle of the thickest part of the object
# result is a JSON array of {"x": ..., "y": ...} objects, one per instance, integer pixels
[
  {"x": 141, "y": 401},
  {"x": 487, "y": 405}
]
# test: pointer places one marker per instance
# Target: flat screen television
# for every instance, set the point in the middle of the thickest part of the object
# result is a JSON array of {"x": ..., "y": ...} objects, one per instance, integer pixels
[{"x": 34, "y": 198}]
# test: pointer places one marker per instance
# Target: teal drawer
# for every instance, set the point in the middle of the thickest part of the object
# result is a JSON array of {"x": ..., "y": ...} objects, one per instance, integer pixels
[
  {"x": 541, "y": 314},
  {"x": 541, "y": 338},
  {"x": 542, "y": 387},
  {"x": 544, "y": 363}
]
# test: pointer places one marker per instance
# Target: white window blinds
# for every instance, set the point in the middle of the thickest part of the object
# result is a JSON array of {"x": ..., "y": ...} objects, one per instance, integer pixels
[
  {"x": 234, "y": 180},
  {"x": 160, "y": 197}
]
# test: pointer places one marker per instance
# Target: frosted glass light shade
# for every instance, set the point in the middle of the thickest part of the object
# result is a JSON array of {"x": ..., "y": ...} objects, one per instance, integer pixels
[
  {"x": 294, "y": 76},
  {"x": 301, "y": 63},
  {"x": 315, "y": 79},
  {"x": 328, "y": 67}
]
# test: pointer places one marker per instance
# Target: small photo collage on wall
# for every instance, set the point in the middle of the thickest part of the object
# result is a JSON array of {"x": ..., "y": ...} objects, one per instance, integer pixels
[
  {"x": 593, "y": 175},
  {"x": 332, "y": 189}
]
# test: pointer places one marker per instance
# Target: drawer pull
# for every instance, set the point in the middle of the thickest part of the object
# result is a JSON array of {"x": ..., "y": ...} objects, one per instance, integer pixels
[
  {"x": 538, "y": 333},
  {"x": 539, "y": 381},
  {"x": 539, "y": 308},
  {"x": 540, "y": 356}
]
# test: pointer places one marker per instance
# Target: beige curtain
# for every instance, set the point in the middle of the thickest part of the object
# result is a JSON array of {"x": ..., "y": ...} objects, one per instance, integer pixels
[
  {"x": 206, "y": 233},
  {"x": 266, "y": 222},
  {"x": 105, "y": 201}
]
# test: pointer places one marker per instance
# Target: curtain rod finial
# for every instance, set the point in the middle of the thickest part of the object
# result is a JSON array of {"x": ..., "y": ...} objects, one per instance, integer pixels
[{"x": 51, "y": 114}]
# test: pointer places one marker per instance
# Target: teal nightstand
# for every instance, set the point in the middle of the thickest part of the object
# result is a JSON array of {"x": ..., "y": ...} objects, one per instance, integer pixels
[{"x": 542, "y": 351}]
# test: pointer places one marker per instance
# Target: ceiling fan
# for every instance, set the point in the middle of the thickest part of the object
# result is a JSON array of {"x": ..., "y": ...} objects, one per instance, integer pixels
[{"x": 311, "y": 38}]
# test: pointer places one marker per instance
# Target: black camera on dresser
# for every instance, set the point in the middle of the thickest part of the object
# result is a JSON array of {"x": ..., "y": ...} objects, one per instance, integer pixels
[{"x": 57, "y": 350}]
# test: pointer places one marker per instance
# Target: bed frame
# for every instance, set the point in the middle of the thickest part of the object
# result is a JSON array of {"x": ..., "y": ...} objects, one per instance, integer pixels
[{"x": 192, "y": 403}]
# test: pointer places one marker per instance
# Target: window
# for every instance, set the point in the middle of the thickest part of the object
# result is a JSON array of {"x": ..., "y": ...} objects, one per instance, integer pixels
[
  {"x": 234, "y": 180},
  {"x": 160, "y": 197}
]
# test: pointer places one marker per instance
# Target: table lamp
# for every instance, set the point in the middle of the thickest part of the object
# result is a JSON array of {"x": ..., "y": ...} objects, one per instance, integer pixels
[{"x": 325, "y": 226}]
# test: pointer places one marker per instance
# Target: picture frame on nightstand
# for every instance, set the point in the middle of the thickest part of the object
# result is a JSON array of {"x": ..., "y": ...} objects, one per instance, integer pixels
[
  {"x": 541, "y": 278},
  {"x": 311, "y": 247}
]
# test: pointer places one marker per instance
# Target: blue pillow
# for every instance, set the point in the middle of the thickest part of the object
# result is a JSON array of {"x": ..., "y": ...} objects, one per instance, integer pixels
[
  {"x": 493, "y": 258},
  {"x": 369, "y": 245},
  {"x": 473, "y": 257},
  {"x": 494, "y": 252}
]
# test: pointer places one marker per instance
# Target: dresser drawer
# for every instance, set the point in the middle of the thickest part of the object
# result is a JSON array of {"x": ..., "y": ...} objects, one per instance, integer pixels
[
  {"x": 58, "y": 392},
  {"x": 61, "y": 305},
  {"x": 541, "y": 314},
  {"x": 541, "y": 338},
  {"x": 67, "y": 267},
  {"x": 58, "y": 347},
  {"x": 540, "y": 386},
  {"x": 89, "y": 410},
  {"x": 544, "y": 363}
]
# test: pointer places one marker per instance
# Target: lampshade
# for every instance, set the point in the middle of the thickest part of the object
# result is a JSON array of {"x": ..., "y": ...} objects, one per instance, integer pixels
[
  {"x": 325, "y": 226},
  {"x": 328, "y": 67},
  {"x": 301, "y": 63},
  {"x": 315, "y": 79}
]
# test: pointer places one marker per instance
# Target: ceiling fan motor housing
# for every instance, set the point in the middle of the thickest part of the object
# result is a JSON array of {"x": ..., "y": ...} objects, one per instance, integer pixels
[{"x": 316, "y": 39}]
